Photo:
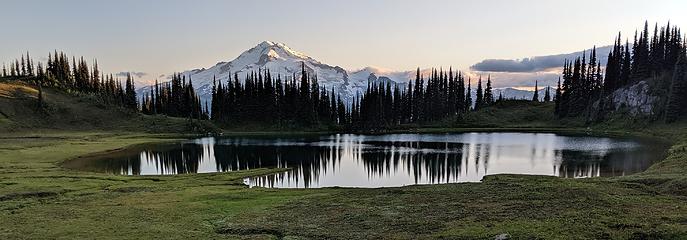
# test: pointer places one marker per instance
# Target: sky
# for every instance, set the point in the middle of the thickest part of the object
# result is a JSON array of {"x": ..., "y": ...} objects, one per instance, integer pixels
[{"x": 162, "y": 36}]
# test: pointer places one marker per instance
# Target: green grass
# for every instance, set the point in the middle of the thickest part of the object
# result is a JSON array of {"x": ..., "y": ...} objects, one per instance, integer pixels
[
  {"x": 649, "y": 205},
  {"x": 513, "y": 113},
  {"x": 39, "y": 199}
]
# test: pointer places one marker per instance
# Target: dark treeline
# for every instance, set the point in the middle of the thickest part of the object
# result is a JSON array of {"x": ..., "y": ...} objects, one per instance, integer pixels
[
  {"x": 176, "y": 98},
  {"x": 267, "y": 100},
  {"x": 443, "y": 95},
  {"x": 586, "y": 88},
  {"x": 582, "y": 84},
  {"x": 264, "y": 99}
]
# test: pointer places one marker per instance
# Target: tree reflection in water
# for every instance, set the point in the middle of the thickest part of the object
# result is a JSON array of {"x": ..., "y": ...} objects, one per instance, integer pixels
[{"x": 390, "y": 160}]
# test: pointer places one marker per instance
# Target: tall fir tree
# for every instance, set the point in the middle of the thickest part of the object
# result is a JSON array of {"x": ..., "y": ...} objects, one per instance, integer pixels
[
  {"x": 479, "y": 97},
  {"x": 468, "y": 97},
  {"x": 535, "y": 96},
  {"x": 547, "y": 94},
  {"x": 488, "y": 94},
  {"x": 677, "y": 100},
  {"x": 130, "y": 100}
]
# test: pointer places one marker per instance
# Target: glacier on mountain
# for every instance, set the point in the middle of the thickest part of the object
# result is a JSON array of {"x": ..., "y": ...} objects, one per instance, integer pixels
[{"x": 281, "y": 60}]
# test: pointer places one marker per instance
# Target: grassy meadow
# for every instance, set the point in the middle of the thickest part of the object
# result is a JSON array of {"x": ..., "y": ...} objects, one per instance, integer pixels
[{"x": 40, "y": 199}]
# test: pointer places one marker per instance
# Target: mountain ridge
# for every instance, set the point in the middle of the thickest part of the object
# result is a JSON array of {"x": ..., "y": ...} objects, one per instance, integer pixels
[{"x": 280, "y": 59}]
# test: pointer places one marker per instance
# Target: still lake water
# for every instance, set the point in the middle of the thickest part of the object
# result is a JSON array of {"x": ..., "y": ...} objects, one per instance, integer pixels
[{"x": 351, "y": 160}]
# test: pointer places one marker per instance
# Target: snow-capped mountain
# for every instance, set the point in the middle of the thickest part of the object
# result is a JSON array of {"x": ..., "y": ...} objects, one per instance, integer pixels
[{"x": 282, "y": 60}]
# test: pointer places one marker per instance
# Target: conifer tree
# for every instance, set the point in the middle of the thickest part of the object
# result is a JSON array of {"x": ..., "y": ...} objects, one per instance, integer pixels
[
  {"x": 535, "y": 97},
  {"x": 479, "y": 97},
  {"x": 547, "y": 94},
  {"x": 214, "y": 106},
  {"x": 17, "y": 68},
  {"x": 488, "y": 95},
  {"x": 95, "y": 77},
  {"x": 130, "y": 100},
  {"x": 29, "y": 65},
  {"x": 460, "y": 102},
  {"x": 468, "y": 97},
  {"x": 557, "y": 98},
  {"x": 39, "y": 71},
  {"x": 676, "y": 100},
  {"x": 23, "y": 67},
  {"x": 640, "y": 68},
  {"x": 12, "y": 70}
]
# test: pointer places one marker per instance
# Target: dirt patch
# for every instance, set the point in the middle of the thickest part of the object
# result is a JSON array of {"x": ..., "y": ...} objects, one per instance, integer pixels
[
  {"x": 250, "y": 230},
  {"x": 129, "y": 189},
  {"x": 23, "y": 195}
]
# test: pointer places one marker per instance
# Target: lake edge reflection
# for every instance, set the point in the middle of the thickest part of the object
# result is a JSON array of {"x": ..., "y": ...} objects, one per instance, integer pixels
[{"x": 350, "y": 160}]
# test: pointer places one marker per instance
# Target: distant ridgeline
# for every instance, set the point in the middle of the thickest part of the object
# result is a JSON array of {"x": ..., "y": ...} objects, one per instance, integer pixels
[{"x": 645, "y": 79}]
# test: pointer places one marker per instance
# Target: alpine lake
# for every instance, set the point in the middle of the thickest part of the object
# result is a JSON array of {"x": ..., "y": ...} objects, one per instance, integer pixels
[{"x": 387, "y": 160}]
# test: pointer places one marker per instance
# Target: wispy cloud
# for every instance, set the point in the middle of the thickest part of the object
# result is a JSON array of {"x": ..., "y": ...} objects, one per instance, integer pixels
[{"x": 533, "y": 64}]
